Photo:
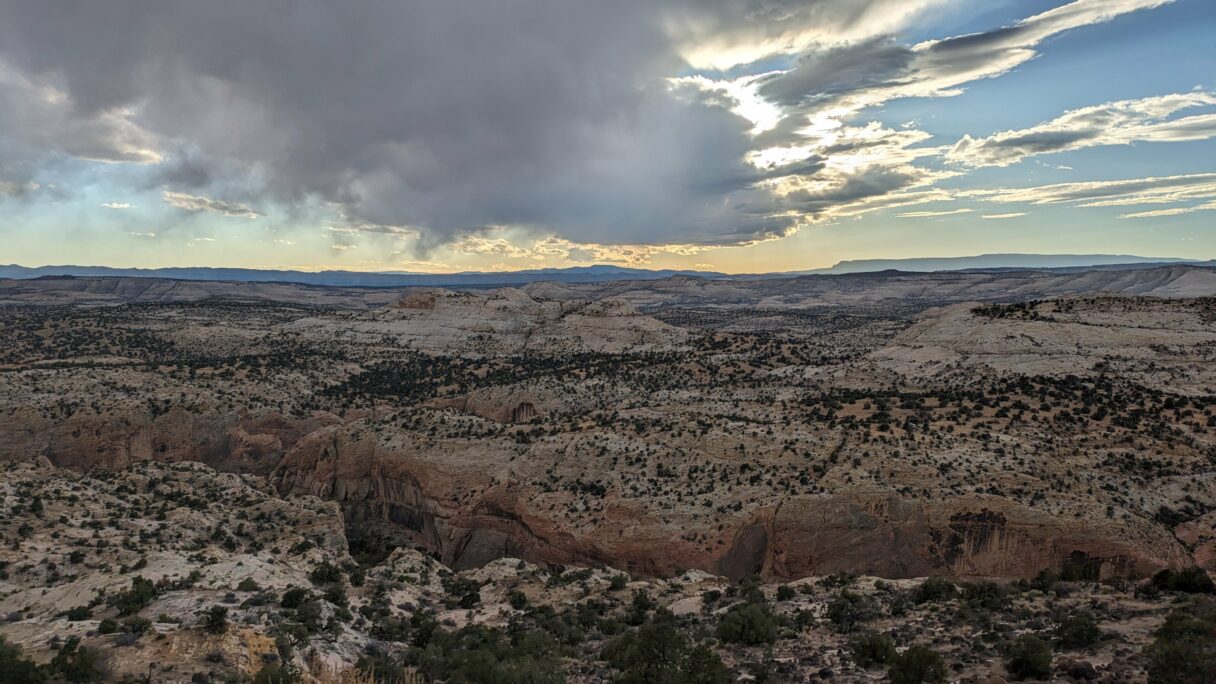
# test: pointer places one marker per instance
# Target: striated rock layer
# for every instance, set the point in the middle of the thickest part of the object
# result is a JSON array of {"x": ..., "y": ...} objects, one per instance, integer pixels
[{"x": 470, "y": 516}]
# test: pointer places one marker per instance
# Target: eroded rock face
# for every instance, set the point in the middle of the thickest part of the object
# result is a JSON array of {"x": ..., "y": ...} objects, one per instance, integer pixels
[
  {"x": 471, "y": 507},
  {"x": 127, "y": 434}
]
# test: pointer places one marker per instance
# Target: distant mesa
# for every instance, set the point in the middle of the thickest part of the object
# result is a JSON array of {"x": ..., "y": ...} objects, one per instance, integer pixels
[{"x": 603, "y": 273}]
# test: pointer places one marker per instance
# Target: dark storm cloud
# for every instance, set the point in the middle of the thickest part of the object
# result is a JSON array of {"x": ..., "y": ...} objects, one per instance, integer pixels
[{"x": 448, "y": 116}]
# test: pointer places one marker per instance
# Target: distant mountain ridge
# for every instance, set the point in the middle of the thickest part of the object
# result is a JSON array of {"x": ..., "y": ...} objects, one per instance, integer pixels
[
  {"x": 600, "y": 273},
  {"x": 995, "y": 262},
  {"x": 578, "y": 274}
]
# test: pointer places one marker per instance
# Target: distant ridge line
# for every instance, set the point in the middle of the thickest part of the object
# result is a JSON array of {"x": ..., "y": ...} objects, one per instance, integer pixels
[{"x": 990, "y": 263}]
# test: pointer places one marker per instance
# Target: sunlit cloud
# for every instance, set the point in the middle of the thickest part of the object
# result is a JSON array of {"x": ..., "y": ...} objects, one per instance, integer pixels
[
  {"x": 42, "y": 115},
  {"x": 1173, "y": 211},
  {"x": 1155, "y": 190},
  {"x": 1114, "y": 123},
  {"x": 401, "y": 232},
  {"x": 933, "y": 214},
  {"x": 196, "y": 204}
]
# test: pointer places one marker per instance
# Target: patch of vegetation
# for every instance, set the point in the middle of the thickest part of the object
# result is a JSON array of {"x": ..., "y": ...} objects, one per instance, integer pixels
[
  {"x": 1193, "y": 580},
  {"x": 933, "y": 590},
  {"x": 1028, "y": 657},
  {"x": 660, "y": 652},
  {"x": 751, "y": 624},
  {"x": 15, "y": 668},
  {"x": 870, "y": 648},
  {"x": 133, "y": 600},
  {"x": 849, "y": 610},
  {"x": 1078, "y": 630},
  {"x": 917, "y": 665},
  {"x": 1187, "y": 636},
  {"x": 215, "y": 620}
]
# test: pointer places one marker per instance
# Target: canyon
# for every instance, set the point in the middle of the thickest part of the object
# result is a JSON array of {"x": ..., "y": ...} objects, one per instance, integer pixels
[{"x": 774, "y": 428}]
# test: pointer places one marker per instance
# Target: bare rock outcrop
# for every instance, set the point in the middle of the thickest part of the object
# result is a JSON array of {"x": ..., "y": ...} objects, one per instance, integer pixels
[
  {"x": 505, "y": 321},
  {"x": 472, "y": 506}
]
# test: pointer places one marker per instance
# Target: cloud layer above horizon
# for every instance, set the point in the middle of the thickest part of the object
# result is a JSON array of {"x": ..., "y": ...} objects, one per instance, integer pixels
[{"x": 548, "y": 129}]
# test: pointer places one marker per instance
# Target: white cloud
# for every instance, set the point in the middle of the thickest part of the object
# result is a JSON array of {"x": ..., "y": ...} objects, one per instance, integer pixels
[
  {"x": 117, "y": 205},
  {"x": 745, "y": 31},
  {"x": 1132, "y": 191},
  {"x": 197, "y": 203},
  {"x": 931, "y": 214},
  {"x": 1173, "y": 211},
  {"x": 1010, "y": 215},
  {"x": 805, "y": 113},
  {"x": 1113, "y": 123},
  {"x": 502, "y": 242}
]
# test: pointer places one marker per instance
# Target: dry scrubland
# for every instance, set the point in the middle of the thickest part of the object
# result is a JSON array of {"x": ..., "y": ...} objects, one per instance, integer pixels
[{"x": 714, "y": 479}]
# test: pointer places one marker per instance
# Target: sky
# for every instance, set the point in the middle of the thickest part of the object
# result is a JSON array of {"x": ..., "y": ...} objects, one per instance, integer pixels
[{"x": 728, "y": 135}]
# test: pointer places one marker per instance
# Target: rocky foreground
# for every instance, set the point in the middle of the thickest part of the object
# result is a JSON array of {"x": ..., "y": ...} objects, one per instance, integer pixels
[{"x": 178, "y": 573}]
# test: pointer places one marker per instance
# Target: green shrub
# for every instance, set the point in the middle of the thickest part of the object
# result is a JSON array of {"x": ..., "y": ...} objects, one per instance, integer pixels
[
  {"x": 133, "y": 600},
  {"x": 215, "y": 620},
  {"x": 750, "y": 623},
  {"x": 659, "y": 652},
  {"x": 1078, "y": 630},
  {"x": 294, "y": 597},
  {"x": 75, "y": 663},
  {"x": 1188, "y": 636},
  {"x": 934, "y": 589},
  {"x": 1045, "y": 581},
  {"x": 308, "y": 615},
  {"x": 517, "y": 599},
  {"x": 1028, "y": 657},
  {"x": 849, "y": 610},
  {"x": 481, "y": 655},
  {"x": 917, "y": 665},
  {"x": 136, "y": 625},
  {"x": 325, "y": 573},
  {"x": 984, "y": 595},
  {"x": 870, "y": 648},
  {"x": 248, "y": 584},
  {"x": 785, "y": 592},
  {"x": 14, "y": 668},
  {"x": 1192, "y": 580},
  {"x": 78, "y": 613}
]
